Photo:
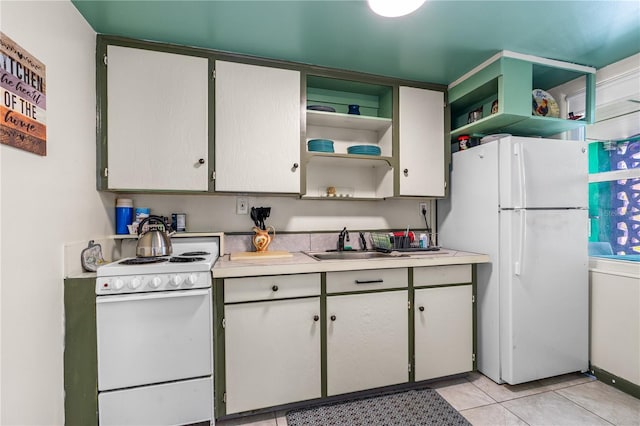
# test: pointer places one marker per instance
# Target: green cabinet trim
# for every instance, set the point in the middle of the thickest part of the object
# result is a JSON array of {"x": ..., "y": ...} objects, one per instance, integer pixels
[{"x": 80, "y": 353}]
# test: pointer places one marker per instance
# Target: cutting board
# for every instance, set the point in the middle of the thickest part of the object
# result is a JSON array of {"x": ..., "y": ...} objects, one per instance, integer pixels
[{"x": 254, "y": 255}]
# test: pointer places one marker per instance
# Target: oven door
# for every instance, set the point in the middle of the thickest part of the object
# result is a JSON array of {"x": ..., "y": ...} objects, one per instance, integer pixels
[{"x": 153, "y": 338}]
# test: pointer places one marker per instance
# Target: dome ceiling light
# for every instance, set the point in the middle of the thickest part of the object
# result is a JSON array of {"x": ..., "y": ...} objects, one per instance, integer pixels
[{"x": 394, "y": 8}]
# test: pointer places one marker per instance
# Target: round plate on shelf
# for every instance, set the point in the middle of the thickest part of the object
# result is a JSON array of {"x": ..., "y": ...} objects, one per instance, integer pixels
[
  {"x": 364, "y": 150},
  {"x": 321, "y": 108},
  {"x": 544, "y": 105}
]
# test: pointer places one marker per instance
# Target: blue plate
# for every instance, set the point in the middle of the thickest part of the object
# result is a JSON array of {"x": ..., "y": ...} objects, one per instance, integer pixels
[{"x": 364, "y": 150}]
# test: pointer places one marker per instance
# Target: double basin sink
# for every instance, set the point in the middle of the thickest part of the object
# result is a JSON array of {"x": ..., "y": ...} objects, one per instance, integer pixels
[{"x": 352, "y": 255}]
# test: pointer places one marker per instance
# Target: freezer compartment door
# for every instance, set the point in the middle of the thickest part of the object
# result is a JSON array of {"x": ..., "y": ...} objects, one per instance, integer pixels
[
  {"x": 544, "y": 293},
  {"x": 543, "y": 173},
  {"x": 177, "y": 403}
]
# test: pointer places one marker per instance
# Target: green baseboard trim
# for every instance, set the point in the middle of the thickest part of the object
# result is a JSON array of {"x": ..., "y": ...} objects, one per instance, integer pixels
[{"x": 615, "y": 381}]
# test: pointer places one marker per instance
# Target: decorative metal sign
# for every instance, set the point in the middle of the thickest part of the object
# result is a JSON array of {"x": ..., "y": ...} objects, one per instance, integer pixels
[{"x": 23, "y": 100}]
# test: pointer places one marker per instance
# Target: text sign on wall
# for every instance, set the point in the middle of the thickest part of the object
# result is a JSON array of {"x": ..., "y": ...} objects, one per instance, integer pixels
[{"x": 23, "y": 101}]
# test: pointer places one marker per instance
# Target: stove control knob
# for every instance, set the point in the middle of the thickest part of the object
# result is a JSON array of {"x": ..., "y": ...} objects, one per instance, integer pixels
[
  {"x": 155, "y": 282},
  {"x": 176, "y": 280},
  {"x": 135, "y": 283},
  {"x": 118, "y": 284},
  {"x": 193, "y": 278}
]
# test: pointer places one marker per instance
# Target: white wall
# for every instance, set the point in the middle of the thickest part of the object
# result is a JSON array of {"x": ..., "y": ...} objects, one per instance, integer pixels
[
  {"x": 218, "y": 213},
  {"x": 45, "y": 202}
]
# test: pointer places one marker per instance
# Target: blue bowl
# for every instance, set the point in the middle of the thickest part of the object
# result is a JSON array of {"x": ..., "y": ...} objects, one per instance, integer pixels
[{"x": 320, "y": 145}]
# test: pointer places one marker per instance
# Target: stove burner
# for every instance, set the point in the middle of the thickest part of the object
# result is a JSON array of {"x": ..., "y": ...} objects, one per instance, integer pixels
[
  {"x": 178, "y": 259},
  {"x": 143, "y": 260},
  {"x": 195, "y": 253}
]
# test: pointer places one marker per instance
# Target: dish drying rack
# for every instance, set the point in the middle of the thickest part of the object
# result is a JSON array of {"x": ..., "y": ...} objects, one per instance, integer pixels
[{"x": 387, "y": 243}]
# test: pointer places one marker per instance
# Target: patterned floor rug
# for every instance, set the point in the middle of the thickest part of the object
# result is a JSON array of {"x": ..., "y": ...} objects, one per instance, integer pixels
[{"x": 414, "y": 407}]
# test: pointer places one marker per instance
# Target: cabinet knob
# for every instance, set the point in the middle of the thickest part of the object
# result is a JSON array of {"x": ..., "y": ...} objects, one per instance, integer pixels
[
  {"x": 201, "y": 161},
  {"x": 316, "y": 318},
  {"x": 406, "y": 172},
  {"x": 296, "y": 165},
  {"x": 274, "y": 288},
  {"x": 421, "y": 308},
  {"x": 333, "y": 317}
]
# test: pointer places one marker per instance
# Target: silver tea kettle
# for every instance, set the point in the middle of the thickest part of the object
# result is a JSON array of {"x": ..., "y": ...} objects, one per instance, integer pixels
[{"x": 154, "y": 242}]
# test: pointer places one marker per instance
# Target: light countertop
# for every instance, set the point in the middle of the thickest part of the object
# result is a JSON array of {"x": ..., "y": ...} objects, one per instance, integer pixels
[{"x": 301, "y": 263}]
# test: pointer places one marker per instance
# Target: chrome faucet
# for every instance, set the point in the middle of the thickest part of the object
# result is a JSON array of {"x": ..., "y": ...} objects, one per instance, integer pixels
[{"x": 343, "y": 234}]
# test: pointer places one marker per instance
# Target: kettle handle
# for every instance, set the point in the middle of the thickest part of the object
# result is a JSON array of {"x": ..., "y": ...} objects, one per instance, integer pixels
[{"x": 156, "y": 219}]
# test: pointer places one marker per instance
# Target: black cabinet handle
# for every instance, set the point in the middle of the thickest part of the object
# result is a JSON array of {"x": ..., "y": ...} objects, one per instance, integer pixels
[
  {"x": 333, "y": 317},
  {"x": 379, "y": 280},
  {"x": 274, "y": 288},
  {"x": 421, "y": 308},
  {"x": 406, "y": 172},
  {"x": 295, "y": 165},
  {"x": 316, "y": 318},
  {"x": 201, "y": 161}
]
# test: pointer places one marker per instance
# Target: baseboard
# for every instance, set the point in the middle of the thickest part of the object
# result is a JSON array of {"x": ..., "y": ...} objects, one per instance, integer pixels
[{"x": 615, "y": 381}]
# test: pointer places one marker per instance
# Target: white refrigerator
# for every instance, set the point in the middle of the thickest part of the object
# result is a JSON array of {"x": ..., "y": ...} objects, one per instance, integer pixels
[{"x": 523, "y": 201}]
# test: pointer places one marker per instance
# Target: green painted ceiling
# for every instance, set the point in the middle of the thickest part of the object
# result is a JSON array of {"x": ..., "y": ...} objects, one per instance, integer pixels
[{"x": 438, "y": 43}]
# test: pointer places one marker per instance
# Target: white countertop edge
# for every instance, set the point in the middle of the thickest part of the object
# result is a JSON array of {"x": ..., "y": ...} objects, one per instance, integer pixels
[
  {"x": 301, "y": 263},
  {"x": 614, "y": 267}
]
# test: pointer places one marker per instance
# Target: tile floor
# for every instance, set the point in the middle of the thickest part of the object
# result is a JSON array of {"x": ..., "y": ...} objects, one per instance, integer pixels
[{"x": 572, "y": 399}]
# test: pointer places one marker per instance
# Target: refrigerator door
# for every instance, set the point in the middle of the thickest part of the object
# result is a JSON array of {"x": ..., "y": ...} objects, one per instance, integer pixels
[
  {"x": 544, "y": 293},
  {"x": 543, "y": 173}
]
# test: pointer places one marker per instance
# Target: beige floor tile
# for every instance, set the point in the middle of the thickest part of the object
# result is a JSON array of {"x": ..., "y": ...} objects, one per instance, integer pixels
[
  {"x": 606, "y": 401},
  {"x": 505, "y": 392},
  {"x": 549, "y": 408},
  {"x": 268, "y": 419},
  {"x": 464, "y": 396},
  {"x": 492, "y": 415},
  {"x": 566, "y": 380}
]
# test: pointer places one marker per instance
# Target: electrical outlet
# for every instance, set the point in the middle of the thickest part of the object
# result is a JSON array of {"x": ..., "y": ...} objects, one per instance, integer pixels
[
  {"x": 421, "y": 207},
  {"x": 242, "y": 206}
]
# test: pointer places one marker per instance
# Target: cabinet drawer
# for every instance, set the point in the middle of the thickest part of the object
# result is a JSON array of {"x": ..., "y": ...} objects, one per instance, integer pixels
[
  {"x": 372, "y": 279},
  {"x": 437, "y": 275},
  {"x": 271, "y": 287}
]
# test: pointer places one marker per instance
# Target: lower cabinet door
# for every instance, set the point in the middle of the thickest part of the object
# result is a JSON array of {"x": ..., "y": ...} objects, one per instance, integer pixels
[
  {"x": 443, "y": 331},
  {"x": 367, "y": 341},
  {"x": 272, "y": 353}
]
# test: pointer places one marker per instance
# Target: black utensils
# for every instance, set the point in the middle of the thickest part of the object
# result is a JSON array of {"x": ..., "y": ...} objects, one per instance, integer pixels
[{"x": 259, "y": 214}]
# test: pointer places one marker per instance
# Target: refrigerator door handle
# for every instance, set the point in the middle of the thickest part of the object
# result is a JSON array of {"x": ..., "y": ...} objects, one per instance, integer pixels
[
  {"x": 522, "y": 176},
  {"x": 518, "y": 266}
]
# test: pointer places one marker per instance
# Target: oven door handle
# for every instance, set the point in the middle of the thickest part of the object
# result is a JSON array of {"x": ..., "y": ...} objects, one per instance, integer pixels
[{"x": 150, "y": 296}]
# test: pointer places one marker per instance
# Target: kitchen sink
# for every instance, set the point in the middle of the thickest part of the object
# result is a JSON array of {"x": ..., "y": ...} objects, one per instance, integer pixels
[{"x": 353, "y": 255}]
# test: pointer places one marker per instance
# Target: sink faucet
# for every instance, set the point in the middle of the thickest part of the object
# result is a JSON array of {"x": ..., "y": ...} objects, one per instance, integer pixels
[{"x": 343, "y": 234}]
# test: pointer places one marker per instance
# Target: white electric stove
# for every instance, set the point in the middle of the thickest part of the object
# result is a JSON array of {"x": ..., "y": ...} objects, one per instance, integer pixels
[
  {"x": 154, "y": 324},
  {"x": 187, "y": 267}
]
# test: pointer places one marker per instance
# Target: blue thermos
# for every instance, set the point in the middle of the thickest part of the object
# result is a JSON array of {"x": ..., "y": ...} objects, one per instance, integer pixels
[{"x": 124, "y": 215}]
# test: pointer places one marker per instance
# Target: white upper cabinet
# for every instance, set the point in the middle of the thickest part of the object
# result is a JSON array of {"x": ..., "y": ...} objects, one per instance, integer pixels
[
  {"x": 157, "y": 120},
  {"x": 257, "y": 132},
  {"x": 421, "y": 143}
]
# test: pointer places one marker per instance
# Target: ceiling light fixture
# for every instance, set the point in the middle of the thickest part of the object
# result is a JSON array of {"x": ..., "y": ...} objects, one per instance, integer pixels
[{"x": 394, "y": 8}]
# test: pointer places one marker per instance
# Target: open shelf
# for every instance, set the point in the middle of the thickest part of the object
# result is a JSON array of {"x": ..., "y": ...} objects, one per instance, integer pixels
[
  {"x": 509, "y": 79},
  {"x": 348, "y": 160},
  {"x": 347, "y": 121}
]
